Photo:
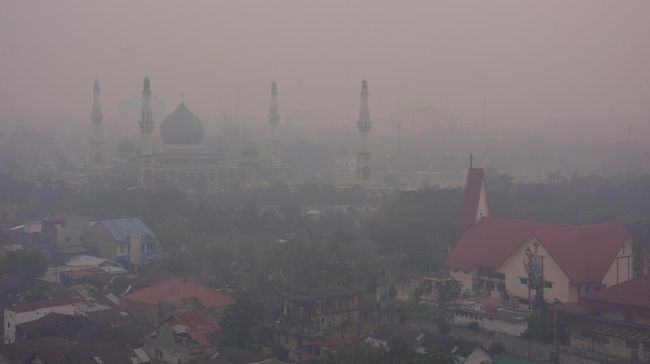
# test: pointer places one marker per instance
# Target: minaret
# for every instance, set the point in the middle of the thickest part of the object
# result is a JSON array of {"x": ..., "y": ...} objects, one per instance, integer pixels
[
  {"x": 274, "y": 119},
  {"x": 146, "y": 131},
  {"x": 364, "y": 124},
  {"x": 97, "y": 140}
]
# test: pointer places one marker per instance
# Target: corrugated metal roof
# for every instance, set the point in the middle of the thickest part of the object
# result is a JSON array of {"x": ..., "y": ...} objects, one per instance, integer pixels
[{"x": 124, "y": 229}]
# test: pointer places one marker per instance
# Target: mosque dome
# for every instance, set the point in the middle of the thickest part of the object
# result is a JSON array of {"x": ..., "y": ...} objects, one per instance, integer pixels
[{"x": 181, "y": 127}]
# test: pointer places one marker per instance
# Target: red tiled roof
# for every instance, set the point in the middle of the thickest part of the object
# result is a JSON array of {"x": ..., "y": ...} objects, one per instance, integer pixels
[
  {"x": 584, "y": 253},
  {"x": 491, "y": 241},
  {"x": 475, "y": 181},
  {"x": 175, "y": 290},
  {"x": 200, "y": 325},
  {"x": 633, "y": 293}
]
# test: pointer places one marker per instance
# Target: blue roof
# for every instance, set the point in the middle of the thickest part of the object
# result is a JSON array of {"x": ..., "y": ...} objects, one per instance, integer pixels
[{"x": 124, "y": 229}]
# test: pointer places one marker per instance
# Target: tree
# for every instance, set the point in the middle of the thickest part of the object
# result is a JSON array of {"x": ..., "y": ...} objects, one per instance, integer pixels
[
  {"x": 24, "y": 266},
  {"x": 239, "y": 324}
]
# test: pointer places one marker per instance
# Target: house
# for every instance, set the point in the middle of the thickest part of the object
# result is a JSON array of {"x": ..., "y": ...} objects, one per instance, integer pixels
[
  {"x": 615, "y": 321},
  {"x": 184, "y": 338},
  {"x": 516, "y": 259},
  {"x": 125, "y": 241},
  {"x": 156, "y": 303},
  {"x": 82, "y": 268},
  {"x": 30, "y": 311},
  {"x": 480, "y": 355},
  {"x": 68, "y": 230},
  {"x": 308, "y": 318}
]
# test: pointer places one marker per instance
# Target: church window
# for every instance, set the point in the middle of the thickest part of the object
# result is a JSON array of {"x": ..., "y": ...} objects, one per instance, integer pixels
[
  {"x": 548, "y": 284},
  {"x": 523, "y": 281}
]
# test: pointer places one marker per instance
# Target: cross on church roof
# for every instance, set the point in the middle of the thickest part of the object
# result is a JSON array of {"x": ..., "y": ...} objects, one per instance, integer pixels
[{"x": 471, "y": 160}]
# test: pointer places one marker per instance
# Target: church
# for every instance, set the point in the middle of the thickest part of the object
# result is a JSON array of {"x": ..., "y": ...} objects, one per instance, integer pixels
[{"x": 522, "y": 260}]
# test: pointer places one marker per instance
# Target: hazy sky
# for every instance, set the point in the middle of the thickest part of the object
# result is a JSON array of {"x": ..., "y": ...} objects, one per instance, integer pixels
[{"x": 532, "y": 60}]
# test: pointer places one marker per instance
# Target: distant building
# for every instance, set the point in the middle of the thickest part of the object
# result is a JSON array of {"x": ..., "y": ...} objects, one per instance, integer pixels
[
  {"x": 157, "y": 303},
  {"x": 504, "y": 258},
  {"x": 127, "y": 241}
]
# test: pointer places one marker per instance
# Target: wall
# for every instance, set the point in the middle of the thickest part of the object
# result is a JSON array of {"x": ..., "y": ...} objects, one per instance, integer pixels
[
  {"x": 465, "y": 278},
  {"x": 103, "y": 242},
  {"x": 514, "y": 270},
  {"x": 73, "y": 231},
  {"x": 621, "y": 268},
  {"x": 12, "y": 318}
]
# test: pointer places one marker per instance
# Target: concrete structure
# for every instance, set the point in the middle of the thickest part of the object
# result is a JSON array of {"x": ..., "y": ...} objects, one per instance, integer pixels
[
  {"x": 27, "y": 312},
  {"x": 520, "y": 260},
  {"x": 363, "y": 149},
  {"x": 307, "y": 318},
  {"x": 146, "y": 134},
  {"x": 274, "y": 119}
]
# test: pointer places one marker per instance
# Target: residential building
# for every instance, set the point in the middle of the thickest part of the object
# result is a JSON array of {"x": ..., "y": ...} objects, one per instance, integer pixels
[
  {"x": 615, "y": 321},
  {"x": 30, "y": 311},
  {"x": 155, "y": 304},
  {"x": 308, "y": 318},
  {"x": 127, "y": 241},
  {"x": 184, "y": 338}
]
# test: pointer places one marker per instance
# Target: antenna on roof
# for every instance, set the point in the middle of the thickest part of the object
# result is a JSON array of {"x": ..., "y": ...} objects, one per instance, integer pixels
[{"x": 471, "y": 160}]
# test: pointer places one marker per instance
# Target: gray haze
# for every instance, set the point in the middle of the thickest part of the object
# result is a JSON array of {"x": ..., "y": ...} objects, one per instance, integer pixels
[{"x": 565, "y": 69}]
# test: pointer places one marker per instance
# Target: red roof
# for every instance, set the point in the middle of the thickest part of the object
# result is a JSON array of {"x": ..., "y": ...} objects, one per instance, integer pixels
[
  {"x": 199, "y": 324},
  {"x": 175, "y": 290},
  {"x": 491, "y": 241},
  {"x": 584, "y": 253},
  {"x": 632, "y": 293},
  {"x": 475, "y": 181}
]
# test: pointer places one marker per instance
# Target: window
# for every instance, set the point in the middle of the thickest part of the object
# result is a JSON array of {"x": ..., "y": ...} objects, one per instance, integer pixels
[
  {"x": 601, "y": 340},
  {"x": 523, "y": 281},
  {"x": 646, "y": 346},
  {"x": 631, "y": 344},
  {"x": 548, "y": 284},
  {"x": 158, "y": 353}
]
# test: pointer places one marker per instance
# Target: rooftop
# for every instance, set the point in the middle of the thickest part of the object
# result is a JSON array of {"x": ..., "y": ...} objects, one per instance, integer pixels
[
  {"x": 176, "y": 290},
  {"x": 124, "y": 229}
]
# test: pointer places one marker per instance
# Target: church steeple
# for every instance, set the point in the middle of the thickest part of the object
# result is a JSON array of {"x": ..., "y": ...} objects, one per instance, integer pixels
[
  {"x": 274, "y": 120},
  {"x": 96, "y": 117},
  {"x": 146, "y": 131},
  {"x": 364, "y": 125}
]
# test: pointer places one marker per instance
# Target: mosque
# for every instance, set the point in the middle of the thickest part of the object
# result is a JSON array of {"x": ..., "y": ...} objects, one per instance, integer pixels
[{"x": 179, "y": 160}]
